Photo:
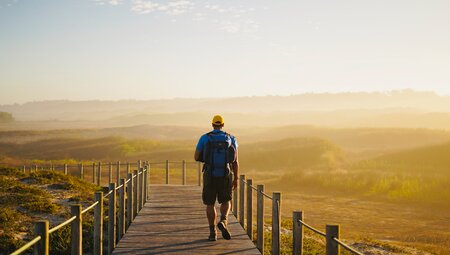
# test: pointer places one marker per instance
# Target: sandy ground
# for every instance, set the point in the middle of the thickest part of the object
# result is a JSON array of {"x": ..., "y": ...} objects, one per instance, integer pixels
[{"x": 418, "y": 227}]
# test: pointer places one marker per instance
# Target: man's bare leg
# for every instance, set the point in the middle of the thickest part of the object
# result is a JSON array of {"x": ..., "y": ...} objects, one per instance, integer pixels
[
  {"x": 211, "y": 215},
  {"x": 225, "y": 210},
  {"x": 223, "y": 224}
]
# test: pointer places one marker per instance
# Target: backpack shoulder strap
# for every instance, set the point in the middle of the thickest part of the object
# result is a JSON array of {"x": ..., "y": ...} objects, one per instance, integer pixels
[{"x": 209, "y": 134}]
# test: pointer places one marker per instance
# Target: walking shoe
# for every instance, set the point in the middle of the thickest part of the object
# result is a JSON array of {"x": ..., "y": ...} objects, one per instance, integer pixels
[
  {"x": 212, "y": 236},
  {"x": 212, "y": 233},
  {"x": 222, "y": 225}
]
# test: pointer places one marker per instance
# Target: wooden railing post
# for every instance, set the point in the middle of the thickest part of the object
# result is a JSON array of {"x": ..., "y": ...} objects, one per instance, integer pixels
[
  {"x": 135, "y": 193},
  {"x": 99, "y": 174},
  {"x": 199, "y": 173},
  {"x": 65, "y": 169},
  {"x": 297, "y": 233},
  {"x": 260, "y": 219},
  {"x": 276, "y": 223},
  {"x": 93, "y": 172},
  {"x": 98, "y": 224},
  {"x": 110, "y": 172},
  {"x": 81, "y": 171},
  {"x": 118, "y": 172},
  {"x": 241, "y": 199},
  {"x": 35, "y": 168},
  {"x": 250, "y": 209},
  {"x": 121, "y": 221},
  {"x": 130, "y": 197},
  {"x": 24, "y": 169},
  {"x": 41, "y": 229},
  {"x": 128, "y": 168},
  {"x": 139, "y": 164},
  {"x": 147, "y": 169},
  {"x": 183, "y": 166},
  {"x": 235, "y": 202},
  {"x": 333, "y": 248},
  {"x": 76, "y": 231},
  {"x": 141, "y": 189},
  {"x": 167, "y": 171},
  {"x": 112, "y": 218}
]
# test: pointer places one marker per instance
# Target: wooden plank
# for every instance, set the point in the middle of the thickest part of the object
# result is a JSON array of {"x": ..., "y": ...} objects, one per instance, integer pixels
[{"x": 173, "y": 221}]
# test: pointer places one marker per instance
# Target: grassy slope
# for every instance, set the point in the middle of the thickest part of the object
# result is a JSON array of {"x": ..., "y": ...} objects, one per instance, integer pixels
[
  {"x": 417, "y": 175},
  {"x": 25, "y": 198},
  {"x": 430, "y": 160},
  {"x": 349, "y": 139},
  {"x": 411, "y": 176},
  {"x": 289, "y": 154},
  {"x": 355, "y": 139},
  {"x": 107, "y": 148}
]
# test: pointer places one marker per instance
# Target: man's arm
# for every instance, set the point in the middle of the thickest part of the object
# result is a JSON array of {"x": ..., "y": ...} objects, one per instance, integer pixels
[
  {"x": 197, "y": 155},
  {"x": 199, "y": 148},
  {"x": 235, "y": 166}
]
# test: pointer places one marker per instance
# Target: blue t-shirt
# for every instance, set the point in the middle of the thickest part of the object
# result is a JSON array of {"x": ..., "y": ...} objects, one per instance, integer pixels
[{"x": 204, "y": 140}]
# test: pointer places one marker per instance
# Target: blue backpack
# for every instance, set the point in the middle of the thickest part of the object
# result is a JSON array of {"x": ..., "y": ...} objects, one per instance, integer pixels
[{"x": 219, "y": 152}]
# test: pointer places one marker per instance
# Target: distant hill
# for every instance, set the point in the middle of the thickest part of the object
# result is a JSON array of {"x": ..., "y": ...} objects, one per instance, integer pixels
[
  {"x": 158, "y": 133},
  {"x": 290, "y": 154},
  {"x": 352, "y": 140},
  {"x": 6, "y": 117},
  {"x": 387, "y": 118},
  {"x": 311, "y": 102},
  {"x": 355, "y": 139},
  {"x": 106, "y": 149},
  {"x": 428, "y": 160},
  {"x": 287, "y": 154}
]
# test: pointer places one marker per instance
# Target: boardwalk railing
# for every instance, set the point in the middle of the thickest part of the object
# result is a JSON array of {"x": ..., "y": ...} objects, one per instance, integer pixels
[
  {"x": 243, "y": 210},
  {"x": 132, "y": 193},
  {"x": 115, "y": 170},
  {"x": 130, "y": 196}
]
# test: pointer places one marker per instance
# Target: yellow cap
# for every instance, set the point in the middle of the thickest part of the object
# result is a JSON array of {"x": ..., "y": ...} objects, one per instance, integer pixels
[{"x": 217, "y": 120}]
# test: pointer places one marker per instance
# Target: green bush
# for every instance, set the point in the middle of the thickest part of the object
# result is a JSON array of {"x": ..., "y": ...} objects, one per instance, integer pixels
[
  {"x": 9, "y": 243},
  {"x": 10, "y": 219}
]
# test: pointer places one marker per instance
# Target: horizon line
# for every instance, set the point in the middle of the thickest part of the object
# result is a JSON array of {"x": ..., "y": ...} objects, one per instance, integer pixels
[{"x": 386, "y": 92}]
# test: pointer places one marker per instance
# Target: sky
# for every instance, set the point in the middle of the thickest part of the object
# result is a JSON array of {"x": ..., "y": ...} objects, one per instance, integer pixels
[{"x": 140, "y": 49}]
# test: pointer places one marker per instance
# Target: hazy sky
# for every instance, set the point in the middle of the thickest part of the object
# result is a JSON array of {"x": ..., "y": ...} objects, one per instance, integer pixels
[{"x": 112, "y": 49}]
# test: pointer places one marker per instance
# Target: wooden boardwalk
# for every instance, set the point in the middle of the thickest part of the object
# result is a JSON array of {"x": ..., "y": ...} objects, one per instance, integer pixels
[{"x": 173, "y": 221}]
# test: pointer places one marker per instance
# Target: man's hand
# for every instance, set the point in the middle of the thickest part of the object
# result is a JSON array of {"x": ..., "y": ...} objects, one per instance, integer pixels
[{"x": 235, "y": 184}]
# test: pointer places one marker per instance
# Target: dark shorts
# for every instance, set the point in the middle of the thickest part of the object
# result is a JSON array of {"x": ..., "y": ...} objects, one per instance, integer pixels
[{"x": 219, "y": 188}]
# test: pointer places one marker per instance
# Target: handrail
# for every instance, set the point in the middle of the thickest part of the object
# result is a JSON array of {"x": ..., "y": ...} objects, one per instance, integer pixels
[
  {"x": 312, "y": 228},
  {"x": 251, "y": 186},
  {"x": 142, "y": 187},
  {"x": 107, "y": 194},
  {"x": 276, "y": 210},
  {"x": 347, "y": 247},
  {"x": 26, "y": 246},
  {"x": 89, "y": 208},
  {"x": 264, "y": 194},
  {"x": 61, "y": 165},
  {"x": 62, "y": 225}
]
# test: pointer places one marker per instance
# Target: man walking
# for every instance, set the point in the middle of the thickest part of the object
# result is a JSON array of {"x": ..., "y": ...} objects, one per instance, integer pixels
[{"x": 218, "y": 150}]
